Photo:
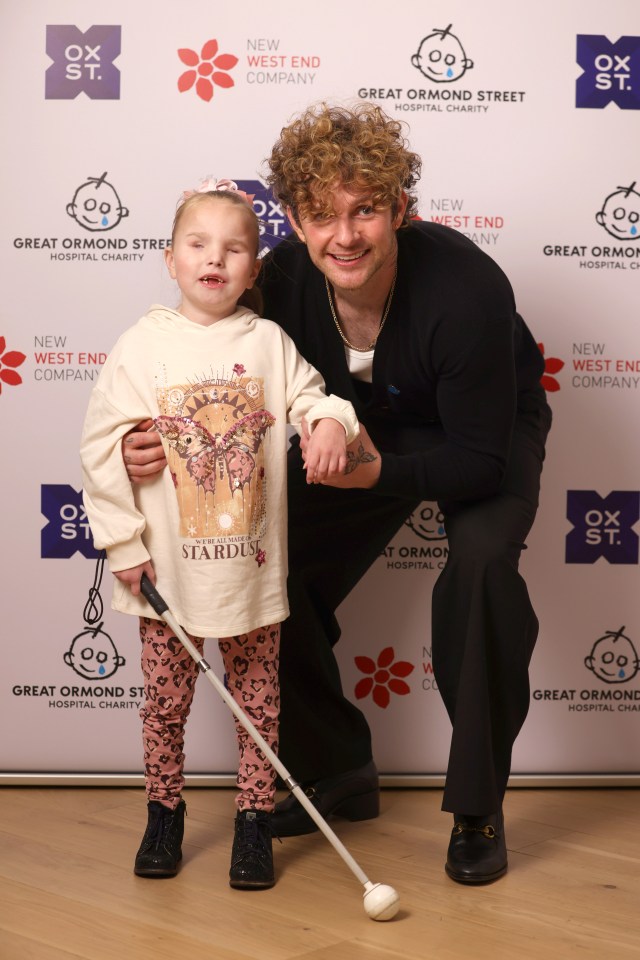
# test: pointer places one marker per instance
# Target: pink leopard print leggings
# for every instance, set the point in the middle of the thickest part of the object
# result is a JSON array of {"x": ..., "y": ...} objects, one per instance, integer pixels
[{"x": 251, "y": 665}]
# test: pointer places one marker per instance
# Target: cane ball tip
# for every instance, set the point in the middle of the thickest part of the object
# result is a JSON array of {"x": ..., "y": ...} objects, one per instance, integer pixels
[{"x": 381, "y": 902}]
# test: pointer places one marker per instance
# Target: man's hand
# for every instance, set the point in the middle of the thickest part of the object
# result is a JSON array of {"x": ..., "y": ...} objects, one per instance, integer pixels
[
  {"x": 363, "y": 462},
  {"x": 133, "y": 575},
  {"x": 142, "y": 453}
]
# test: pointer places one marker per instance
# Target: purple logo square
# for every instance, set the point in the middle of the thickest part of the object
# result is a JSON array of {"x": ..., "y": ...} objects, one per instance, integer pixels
[
  {"x": 611, "y": 72},
  {"x": 68, "y": 528},
  {"x": 602, "y": 526},
  {"x": 83, "y": 62}
]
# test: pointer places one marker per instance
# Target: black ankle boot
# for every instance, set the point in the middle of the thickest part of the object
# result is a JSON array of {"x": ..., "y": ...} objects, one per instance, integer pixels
[
  {"x": 251, "y": 856},
  {"x": 161, "y": 847},
  {"x": 354, "y": 795}
]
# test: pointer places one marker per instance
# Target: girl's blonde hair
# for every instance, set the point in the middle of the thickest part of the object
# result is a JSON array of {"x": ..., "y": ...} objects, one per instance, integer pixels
[{"x": 228, "y": 196}]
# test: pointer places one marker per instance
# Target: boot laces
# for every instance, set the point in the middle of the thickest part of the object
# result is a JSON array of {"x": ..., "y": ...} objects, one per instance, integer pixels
[
  {"x": 159, "y": 829},
  {"x": 250, "y": 835}
]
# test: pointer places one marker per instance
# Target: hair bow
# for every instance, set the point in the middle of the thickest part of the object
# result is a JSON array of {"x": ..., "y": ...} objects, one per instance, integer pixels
[{"x": 210, "y": 184}]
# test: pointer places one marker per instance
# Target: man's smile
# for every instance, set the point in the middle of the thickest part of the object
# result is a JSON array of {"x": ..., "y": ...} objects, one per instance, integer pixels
[{"x": 343, "y": 258}]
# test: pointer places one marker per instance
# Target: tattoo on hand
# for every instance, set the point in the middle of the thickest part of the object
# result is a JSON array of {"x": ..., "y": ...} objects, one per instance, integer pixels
[{"x": 354, "y": 459}]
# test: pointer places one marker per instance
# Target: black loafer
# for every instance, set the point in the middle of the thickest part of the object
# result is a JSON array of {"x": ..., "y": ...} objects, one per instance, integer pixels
[
  {"x": 477, "y": 850},
  {"x": 354, "y": 795}
]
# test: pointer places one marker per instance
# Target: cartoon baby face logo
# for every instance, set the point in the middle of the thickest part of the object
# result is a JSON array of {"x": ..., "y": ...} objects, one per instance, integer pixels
[
  {"x": 427, "y": 522},
  {"x": 96, "y": 205},
  {"x": 620, "y": 214},
  {"x": 613, "y": 658},
  {"x": 92, "y": 655},
  {"x": 441, "y": 57}
]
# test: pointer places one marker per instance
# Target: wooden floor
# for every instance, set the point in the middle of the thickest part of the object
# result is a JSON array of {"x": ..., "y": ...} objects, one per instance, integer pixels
[{"x": 67, "y": 889}]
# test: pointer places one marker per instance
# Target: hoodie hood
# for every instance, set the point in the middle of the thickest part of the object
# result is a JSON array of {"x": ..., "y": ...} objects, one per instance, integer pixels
[{"x": 164, "y": 318}]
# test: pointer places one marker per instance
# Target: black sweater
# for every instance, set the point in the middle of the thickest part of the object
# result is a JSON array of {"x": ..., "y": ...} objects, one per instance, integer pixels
[{"x": 453, "y": 366}]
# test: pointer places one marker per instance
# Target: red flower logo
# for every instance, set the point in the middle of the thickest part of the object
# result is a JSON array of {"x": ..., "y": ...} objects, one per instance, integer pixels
[
  {"x": 382, "y": 677},
  {"x": 207, "y": 70},
  {"x": 261, "y": 557},
  {"x": 8, "y": 362},
  {"x": 551, "y": 365}
]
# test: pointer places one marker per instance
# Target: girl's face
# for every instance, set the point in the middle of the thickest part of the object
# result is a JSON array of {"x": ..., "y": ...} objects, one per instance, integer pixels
[{"x": 213, "y": 259}]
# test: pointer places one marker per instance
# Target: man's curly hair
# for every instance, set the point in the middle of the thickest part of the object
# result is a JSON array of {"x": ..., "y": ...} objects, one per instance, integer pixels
[{"x": 327, "y": 145}]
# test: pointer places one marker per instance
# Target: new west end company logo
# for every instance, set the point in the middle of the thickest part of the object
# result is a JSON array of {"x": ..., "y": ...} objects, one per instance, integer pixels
[
  {"x": 552, "y": 365},
  {"x": 207, "y": 70},
  {"x": 611, "y": 72},
  {"x": 594, "y": 367},
  {"x": 382, "y": 677},
  {"x": 9, "y": 360},
  {"x": 83, "y": 62},
  {"x": 602, "y": 526}
]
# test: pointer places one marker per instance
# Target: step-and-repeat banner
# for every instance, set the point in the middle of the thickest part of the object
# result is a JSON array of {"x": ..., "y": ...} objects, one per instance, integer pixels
[{"x": 526, "y": 119}]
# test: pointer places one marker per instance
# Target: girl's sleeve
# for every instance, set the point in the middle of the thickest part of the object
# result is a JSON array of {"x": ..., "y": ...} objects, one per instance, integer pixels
[
  {"x": 116, "y": 523},
  {"x": 306, "y": 395}
]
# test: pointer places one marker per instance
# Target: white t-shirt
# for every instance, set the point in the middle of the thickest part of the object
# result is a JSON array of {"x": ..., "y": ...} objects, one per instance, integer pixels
[{"x": 360, "y": 363}]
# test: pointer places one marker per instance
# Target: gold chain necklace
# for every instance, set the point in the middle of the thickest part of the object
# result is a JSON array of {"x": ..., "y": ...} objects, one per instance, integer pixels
[{"x": 385, "y": 314}]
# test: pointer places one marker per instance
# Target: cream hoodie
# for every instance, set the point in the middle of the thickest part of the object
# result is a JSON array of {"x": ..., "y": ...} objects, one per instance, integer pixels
[{"x": 214, "y": 524}]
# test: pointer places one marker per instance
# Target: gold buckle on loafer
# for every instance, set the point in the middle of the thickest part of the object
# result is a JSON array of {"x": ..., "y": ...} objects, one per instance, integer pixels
[{"x": 487, "y": 830}]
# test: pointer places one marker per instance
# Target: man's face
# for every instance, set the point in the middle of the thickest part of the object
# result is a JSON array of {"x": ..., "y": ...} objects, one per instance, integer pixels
[{"x": 355, "y": 245}]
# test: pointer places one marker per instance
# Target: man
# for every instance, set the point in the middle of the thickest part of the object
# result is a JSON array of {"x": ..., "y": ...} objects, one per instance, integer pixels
[{"x": 418, "y": 328}]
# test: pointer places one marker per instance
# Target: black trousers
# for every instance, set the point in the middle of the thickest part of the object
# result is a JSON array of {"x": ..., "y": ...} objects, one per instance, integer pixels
[{"x": 483, "y": 625}]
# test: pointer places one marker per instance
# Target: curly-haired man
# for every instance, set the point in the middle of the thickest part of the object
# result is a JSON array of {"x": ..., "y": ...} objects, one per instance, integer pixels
[{"x": 418, "y": 327}]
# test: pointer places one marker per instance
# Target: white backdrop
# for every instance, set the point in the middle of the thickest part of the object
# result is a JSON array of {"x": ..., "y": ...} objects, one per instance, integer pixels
[{"x": 530, "y": 147}]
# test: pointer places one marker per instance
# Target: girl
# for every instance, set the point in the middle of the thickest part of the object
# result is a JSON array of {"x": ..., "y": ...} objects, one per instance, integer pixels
[{"x": 220, "y": 384}]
